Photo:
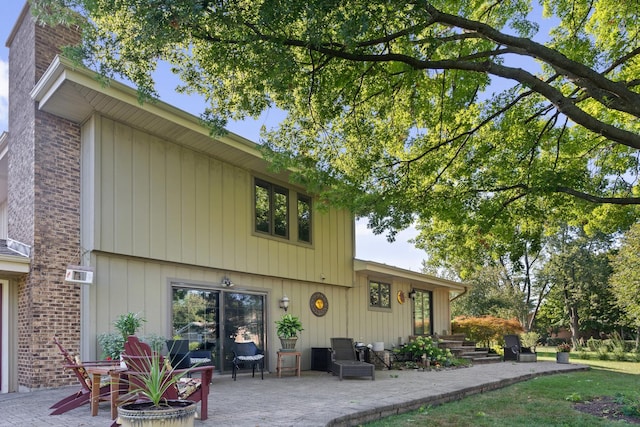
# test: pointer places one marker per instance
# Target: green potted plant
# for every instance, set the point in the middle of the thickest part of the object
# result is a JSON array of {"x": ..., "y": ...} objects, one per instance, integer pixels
[
  {"x": 150, "y": 379},
  {"x": 562, "y": 355},
  {"x": 287, "y": 329},
  {"x": 112, "y": 343}
]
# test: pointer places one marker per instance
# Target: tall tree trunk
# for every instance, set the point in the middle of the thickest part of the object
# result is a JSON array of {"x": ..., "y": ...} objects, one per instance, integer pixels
[{"x": 573, "y": 325}]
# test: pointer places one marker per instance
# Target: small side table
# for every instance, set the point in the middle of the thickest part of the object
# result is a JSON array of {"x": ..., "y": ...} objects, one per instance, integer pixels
[
  {"x": 96, "y": 373},
  {"x": 296, "y": 367}
]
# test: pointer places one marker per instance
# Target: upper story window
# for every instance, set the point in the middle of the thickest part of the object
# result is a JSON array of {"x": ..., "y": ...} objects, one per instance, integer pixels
[
  {"x": 304, "y": 218},
  {"x": 379, "y": 294},
  {"x": 271, "y": 209}
]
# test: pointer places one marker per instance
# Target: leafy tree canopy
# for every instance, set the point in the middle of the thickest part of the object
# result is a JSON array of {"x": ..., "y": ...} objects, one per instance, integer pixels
[
  {"x": 392, "y": 107},
  {"x": 625, "y": 280}
]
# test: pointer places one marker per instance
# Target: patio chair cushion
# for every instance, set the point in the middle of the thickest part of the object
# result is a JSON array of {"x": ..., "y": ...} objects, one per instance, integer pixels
[
  {"x": 83, "y": 372},
  {"x": 188, "y": 386}
]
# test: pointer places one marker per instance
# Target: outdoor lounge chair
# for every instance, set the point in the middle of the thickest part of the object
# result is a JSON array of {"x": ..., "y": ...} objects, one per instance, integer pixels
[
  {"x": 83, "y": 395},
  {"x": 247, "y": 353},
  {"x": 344, "y": 362},
  {"x": 513, "y": 350},
  {"x": 137, "y": 358}
]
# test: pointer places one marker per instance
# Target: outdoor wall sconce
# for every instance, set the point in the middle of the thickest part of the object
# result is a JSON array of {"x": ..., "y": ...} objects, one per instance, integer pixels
[
  {"x": 226, "y": 282},
  {"x": 284, "y": 303},
  {"x": 412, "y": 294}
]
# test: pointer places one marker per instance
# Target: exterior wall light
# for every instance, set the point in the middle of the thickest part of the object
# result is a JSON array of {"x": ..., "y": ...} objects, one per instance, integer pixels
[{"x": 284, "y": 303}]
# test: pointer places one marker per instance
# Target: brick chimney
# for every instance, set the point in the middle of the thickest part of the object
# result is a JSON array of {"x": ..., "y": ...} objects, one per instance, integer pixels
[{"x": 43, "y": 206}]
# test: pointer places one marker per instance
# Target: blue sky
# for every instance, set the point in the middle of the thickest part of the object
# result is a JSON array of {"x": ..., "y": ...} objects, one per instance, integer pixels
[{"x": 368, "y": 246}]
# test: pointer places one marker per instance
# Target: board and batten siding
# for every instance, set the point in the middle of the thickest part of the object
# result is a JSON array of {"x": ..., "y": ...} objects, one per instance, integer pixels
[
  {"x": 370, "y": 325},
  {"x": 143, "y": 286},
  {"x": 151, "y": 198}
]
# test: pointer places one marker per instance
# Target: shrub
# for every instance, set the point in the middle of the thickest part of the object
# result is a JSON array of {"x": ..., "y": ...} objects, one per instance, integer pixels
[
  {"x": 425, "y": 346},
  {"x": 486, "y": 329},
  {"x": 530, "y": 339},
  {"x": 593, "y": 344}
]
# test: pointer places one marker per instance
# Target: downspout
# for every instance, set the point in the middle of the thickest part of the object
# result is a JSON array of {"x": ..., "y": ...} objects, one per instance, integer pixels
[{"x": 459, "y": 295}]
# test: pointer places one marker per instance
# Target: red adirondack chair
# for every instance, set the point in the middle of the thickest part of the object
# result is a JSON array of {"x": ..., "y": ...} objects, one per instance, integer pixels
[
  {"x": 83, "y": 395},
  {"x": 137, "y": 358}
]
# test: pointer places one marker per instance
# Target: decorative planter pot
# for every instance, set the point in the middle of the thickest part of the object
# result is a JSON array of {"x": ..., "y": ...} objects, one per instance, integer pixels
[
  {"x": 177, "y": 413},
  {"x": 562, "y": 357},
  {"x": 288, "y": 344}
]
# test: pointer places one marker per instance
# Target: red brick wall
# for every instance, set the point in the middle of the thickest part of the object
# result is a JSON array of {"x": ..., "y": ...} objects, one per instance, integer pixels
[{"x": 44, "y": 209}]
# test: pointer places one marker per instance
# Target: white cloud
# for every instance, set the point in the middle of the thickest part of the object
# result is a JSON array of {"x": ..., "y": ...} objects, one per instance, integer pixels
[{"x": 4, "y": 95}]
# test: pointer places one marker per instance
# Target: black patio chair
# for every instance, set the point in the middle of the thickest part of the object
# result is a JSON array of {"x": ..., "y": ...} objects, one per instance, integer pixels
[
  {"x": 345, "y": 363},
  {"x": 247, "y": 353},
  {"x": 513, "y": 348}
]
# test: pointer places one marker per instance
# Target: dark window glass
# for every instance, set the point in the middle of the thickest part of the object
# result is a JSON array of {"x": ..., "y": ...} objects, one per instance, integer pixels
[
  {"x": 271, "y": 209},
  {"x": 379, "y": 294},
  {"x": 304, "y": 218},
  {"x": 262, "y": 209},
  {"x": 280, "y": 212},
  {"x": 422, "y": 313}
]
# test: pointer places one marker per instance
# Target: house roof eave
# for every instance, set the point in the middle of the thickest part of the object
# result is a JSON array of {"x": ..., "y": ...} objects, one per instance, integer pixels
[
  {"x": 385, "y": 270},
  {"x": 74, "y": 93}
]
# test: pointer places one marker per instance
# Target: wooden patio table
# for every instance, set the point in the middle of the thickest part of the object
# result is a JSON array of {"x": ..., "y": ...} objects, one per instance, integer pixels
[{"x": 96, "y": 372}]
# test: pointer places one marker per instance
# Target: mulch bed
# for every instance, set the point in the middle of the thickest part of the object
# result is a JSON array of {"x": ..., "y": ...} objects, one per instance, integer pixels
[{"x": 606, "y": 407}]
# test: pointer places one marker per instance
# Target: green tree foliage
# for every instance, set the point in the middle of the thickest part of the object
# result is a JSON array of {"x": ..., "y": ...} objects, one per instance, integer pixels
[
  {"x": 188, "y": 306},
  {"x": 392, "y": 105},
  {"x": 490, "y": 294},
  {"x": 578, "y": 273},
  {"x": 625, "y": 280}
]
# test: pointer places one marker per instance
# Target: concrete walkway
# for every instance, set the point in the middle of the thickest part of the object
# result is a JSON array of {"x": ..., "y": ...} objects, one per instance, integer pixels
[{"x": 314, "y": 399}]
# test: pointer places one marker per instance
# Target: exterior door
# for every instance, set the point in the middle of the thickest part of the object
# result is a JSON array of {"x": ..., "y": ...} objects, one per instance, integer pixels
[
  {"x": 244, "y": 320},
  {"x": 422, "y": 318},
  {"x": 212, "y": 319}
]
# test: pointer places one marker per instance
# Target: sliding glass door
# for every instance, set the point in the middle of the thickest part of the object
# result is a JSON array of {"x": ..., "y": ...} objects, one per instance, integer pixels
[
  {"x": 243, "y": 321},
  {"x": 212, "y": 319}
]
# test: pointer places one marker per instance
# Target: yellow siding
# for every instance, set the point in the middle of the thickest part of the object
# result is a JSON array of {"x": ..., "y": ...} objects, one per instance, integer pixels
[
  {"x": 159, "y": 200},
  {"x": 132, "y": 285},
  {"x": 370, "y": 325}
]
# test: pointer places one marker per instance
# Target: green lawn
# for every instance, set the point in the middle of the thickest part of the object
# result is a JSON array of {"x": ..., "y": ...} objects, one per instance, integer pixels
[{"x": 543, "y": 401}]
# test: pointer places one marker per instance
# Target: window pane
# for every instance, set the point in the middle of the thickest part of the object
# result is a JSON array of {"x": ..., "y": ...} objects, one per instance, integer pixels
[
  {"x": 244, "y": 321},
  {"x": 262, "y": 208},
  {"x": 304, "y": 218},
  {"x": 280, "y": 212},
  {"x": 385, "y": 295},
  {"x": 374, "y": 298},
  {"x": 422, "y": 310},
  {"x": 379, "y": 294},
  {"x": 195, "y": 317}
]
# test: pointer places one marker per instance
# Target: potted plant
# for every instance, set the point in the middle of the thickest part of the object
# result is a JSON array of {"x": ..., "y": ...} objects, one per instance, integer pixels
[
  {"x": 149, "y": 381},
  {"x": 287, "y": 329},
  {"x": 112, "y": 343},
  {"x": 562, "y": 356}
]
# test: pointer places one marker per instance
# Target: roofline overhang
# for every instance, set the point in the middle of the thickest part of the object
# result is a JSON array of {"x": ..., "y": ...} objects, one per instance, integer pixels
[
  {"x": 63, "y": 70},
  {"x": 14, "y": 265},
  {"x": 417, "y": 279},
  {"x": 65, "y": 84}
]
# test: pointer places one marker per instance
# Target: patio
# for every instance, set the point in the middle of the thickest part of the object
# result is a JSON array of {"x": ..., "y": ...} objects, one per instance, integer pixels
[{"x": 314, "y": 399}]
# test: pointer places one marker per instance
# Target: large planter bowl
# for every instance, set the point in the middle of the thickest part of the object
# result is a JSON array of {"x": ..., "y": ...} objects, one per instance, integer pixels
[
  {"x": 176, "y": 413},
  {"x": 562, "y": 357}
]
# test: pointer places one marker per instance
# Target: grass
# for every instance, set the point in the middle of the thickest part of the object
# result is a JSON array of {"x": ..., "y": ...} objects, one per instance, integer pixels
[{"x": 543, "y": 401}]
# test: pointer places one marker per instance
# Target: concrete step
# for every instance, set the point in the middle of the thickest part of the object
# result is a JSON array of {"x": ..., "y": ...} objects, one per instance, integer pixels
[{"x": 486, "y": 359}]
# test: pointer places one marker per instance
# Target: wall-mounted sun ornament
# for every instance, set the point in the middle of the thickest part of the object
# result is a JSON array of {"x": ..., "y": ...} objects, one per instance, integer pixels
[{"x": 319, "y": 304}]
